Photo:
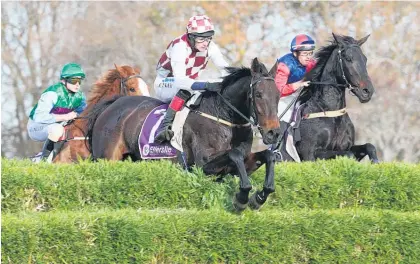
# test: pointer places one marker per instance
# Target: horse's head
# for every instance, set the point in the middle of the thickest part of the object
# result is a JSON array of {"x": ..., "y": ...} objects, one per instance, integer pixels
[
  {"x": 264, "y": 101},
  {"x": 131, "y": 82},
  {"x": 352, "y": 67}
]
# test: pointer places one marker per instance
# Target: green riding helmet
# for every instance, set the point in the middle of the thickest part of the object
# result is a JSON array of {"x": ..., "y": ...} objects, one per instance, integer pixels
[{"x": 71, "y": 70}]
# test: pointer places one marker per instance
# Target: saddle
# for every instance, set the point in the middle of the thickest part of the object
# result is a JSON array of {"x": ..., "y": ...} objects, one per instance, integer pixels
[
  {"x": 168, "y": 150},
  {"x": 291, "y": 133}
]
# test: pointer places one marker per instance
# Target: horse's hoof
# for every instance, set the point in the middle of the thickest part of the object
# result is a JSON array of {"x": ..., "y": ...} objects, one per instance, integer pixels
[
  {"x": 253, "y": 202},
  {"x": 239, "y": 207},
  {"x": 375, "y": 161}
]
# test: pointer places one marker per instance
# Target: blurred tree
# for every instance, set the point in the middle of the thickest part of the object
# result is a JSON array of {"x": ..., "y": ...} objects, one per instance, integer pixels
[
  {"x": 31, "y": 46},
  {"x": 39, "y": 37}
]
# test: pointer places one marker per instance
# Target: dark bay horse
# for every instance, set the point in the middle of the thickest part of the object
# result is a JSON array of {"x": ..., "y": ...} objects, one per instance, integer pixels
[
  {"x": 326, "y": 129},
  {"x": 123, "y": 80},
  {"x": 114, "y": 128}
]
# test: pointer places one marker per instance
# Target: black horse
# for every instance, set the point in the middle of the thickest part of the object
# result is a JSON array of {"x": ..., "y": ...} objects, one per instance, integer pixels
[
  {"x": 326, "y": 130},
  {"x": 247, "y": 96}
]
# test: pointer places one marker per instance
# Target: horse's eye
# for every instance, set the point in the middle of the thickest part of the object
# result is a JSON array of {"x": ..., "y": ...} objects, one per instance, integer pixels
[
  {"x": 132, "y": 90},
  {"x": 258, "y": 95},
  {"x": 347, "y": 58}
]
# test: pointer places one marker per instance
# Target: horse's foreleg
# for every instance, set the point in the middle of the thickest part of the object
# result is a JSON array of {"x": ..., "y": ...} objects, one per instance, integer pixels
[
  {"x": 241, "y": 198},
  {"x": 360, "y": 151},
  {"x": 63, "y": 156},
  {"x": 259, "y": 197}
]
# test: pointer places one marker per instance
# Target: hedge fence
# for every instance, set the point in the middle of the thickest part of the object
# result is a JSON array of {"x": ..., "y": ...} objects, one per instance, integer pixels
[
  {"x": 334, "y": 184},
  {"x": 336, "y": 211},
  {"x": 212, "y": 236}
]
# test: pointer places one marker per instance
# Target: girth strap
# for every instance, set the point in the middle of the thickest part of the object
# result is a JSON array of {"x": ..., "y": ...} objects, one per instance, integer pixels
[{"x": 326, "y": 114}]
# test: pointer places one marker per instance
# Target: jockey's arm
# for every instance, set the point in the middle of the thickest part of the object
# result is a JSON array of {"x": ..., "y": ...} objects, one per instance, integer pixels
[
  {"x": 45, "y": 104},
  {"x": 218, "y": 59},
  {"x": 82, "y": 106},
  {"x": 282, "y": 75},
  {"x": 43, "y": 111}
]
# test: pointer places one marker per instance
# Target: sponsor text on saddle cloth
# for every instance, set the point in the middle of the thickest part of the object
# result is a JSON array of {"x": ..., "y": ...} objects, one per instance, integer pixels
[{"x": 149, "y": 149}]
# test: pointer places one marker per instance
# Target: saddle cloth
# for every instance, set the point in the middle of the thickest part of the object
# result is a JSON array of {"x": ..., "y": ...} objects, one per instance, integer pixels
[
  {"x": 168, "y": 150},
  {"x": 292, "y": 134}
]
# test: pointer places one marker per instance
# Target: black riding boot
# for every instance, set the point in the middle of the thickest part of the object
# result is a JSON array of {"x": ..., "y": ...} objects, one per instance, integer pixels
[
  {"x": 47, "y": 148},
  {"x": 164, "y": 132}
]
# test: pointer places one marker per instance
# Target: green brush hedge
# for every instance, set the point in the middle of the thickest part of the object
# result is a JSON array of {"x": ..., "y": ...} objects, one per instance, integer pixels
[
  {"x": 212, "y": 236},
  {"x": 333, "y": 184}
]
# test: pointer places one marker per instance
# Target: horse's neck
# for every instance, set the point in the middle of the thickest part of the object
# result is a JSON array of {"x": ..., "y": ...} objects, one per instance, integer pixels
[
  {"x": 330, "y": 97},
  {"x": 237, "y": 97},
  {"x": 107, "y": 94},
  {"x": 78, "y": 128}
]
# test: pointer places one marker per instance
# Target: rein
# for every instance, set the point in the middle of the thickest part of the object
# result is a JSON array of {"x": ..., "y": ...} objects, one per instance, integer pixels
[
  {"x": 335, "y": 113},
  {"x": 251, "y": 96}
]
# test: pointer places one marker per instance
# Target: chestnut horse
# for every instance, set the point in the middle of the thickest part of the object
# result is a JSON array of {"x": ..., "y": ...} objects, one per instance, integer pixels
[{"x": 123, "y": 80}]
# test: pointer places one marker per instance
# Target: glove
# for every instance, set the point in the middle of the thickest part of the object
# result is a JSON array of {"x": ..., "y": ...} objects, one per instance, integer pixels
[{"x": 213, "y": 87}]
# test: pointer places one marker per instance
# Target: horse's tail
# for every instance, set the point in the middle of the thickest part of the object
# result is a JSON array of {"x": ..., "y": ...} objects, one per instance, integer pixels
[{"x": 94, "y": 114}]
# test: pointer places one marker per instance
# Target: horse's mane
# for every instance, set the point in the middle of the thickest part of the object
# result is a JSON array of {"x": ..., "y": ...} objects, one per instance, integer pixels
[
  {"x": 323, "y": 55},
  {"x": 102, "y": 86},
  {"x": 235, "y": 73},
  {"x": 214, "y": 103}
]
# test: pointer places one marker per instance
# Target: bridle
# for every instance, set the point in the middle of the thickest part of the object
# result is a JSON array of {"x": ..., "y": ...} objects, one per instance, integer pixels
[
  {"x": 347, "y": 84},
  {"x": 123, "y": 86},
  {"x": 254, "y": 120}
]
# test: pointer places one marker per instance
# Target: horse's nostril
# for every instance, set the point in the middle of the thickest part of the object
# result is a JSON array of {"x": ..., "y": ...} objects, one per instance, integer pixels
[{"x": 365, "y": 91}]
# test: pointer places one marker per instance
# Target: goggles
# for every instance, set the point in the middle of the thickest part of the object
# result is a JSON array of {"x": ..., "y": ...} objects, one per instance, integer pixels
[
  {"x": 74, "y": 80},
  {"x": 202, "y": 39},
  {"x": 306, "y": 53}
]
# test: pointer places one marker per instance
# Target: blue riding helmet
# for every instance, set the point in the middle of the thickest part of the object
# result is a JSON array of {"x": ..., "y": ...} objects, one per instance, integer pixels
[{"x": 302, "y": 42}]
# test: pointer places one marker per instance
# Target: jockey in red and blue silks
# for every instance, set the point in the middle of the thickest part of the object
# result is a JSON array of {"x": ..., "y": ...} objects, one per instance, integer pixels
[{"x": 291, "y": 69}]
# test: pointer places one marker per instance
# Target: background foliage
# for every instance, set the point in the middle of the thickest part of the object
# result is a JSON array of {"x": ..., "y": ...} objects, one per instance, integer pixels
[{"x": 39, "y": 37}]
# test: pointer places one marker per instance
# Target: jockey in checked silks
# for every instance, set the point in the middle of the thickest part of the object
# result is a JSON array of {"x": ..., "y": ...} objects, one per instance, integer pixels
[{"x": 181, "y": 64}]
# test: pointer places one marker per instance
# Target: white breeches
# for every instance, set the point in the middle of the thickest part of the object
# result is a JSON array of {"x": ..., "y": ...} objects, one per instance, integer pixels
[
  {"x": 283, "y": 103},
  {"x": 166, "y": 88},
  {"x": 40, "y": 131}
]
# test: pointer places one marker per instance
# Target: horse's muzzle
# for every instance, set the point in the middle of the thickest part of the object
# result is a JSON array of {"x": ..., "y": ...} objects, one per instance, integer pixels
[{"x": 272, "y": 136}]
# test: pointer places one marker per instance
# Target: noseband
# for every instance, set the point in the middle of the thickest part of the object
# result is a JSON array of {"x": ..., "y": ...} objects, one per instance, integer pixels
[
  {"x": 340, "y": 60},
  {"x": 123, "y": 86},
  {"x": 252, "y": 106}
]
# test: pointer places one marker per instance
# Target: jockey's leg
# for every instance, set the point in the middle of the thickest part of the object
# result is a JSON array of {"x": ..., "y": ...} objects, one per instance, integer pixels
[
  {"x": 55, "y": 132},
  {"x": 164, "y": 132},
  {"x": 277, "y": 149},
  {"x": 47, "y": 148}
]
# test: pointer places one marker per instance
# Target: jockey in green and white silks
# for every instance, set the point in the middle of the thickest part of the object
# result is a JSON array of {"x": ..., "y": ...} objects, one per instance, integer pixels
[{"x": 60, "y": 102}]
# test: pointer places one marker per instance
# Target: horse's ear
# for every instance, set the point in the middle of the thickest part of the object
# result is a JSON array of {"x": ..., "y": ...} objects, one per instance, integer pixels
[
  {"x": 136, "y": 70},
  {"x": 255, "y": 66},
  {"x": 337, "y": 38},
  {"x": 119, "y": 70},
  {"x": 362, "y": 40},
  {"x": 273, "y": 70}
]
